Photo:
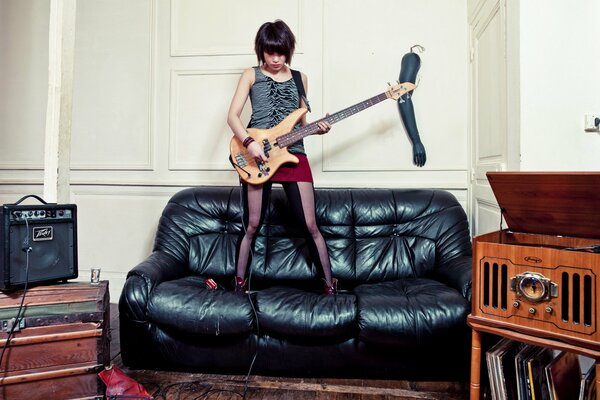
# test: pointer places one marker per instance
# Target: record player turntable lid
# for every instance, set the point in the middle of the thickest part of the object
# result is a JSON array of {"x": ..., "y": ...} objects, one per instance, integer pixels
[{"x": 551, "y": 203}]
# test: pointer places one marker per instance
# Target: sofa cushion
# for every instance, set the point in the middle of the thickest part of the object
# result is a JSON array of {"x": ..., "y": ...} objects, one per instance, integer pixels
[
  {"x": 187, "y": 305},
  {"x": 295, "y": 313},
  {"x": 409, "y": 312}
]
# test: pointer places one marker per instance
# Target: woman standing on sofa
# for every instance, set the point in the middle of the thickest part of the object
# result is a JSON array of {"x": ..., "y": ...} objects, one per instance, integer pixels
[{"x": 274, "y": 95}]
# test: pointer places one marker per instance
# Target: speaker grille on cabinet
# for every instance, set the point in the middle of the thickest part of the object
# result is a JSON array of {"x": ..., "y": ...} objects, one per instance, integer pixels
[
  {"x": 50, "y": 259},
  {"x": 495, "y": 280},
  {"x": 571, "y": 308},
  {"x": 576, "y": 299},
  {"x": 47, "y": 234}
]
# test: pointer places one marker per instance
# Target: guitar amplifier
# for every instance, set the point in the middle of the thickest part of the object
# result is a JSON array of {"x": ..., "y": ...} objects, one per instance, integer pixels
[
  {"x": 540, "y": 276},
  {"x": 38, "y": 243}
]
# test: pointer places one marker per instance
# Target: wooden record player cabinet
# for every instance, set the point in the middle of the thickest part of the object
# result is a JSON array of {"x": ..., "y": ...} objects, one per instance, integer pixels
[{"x": 538, "y": 281}]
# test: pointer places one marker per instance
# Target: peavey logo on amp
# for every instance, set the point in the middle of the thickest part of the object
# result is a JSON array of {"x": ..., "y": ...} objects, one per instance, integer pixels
[{"x": 42, "y": 233}]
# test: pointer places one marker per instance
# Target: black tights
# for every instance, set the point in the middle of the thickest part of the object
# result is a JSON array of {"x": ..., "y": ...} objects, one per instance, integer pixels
[{"x": 301, "y": 197}]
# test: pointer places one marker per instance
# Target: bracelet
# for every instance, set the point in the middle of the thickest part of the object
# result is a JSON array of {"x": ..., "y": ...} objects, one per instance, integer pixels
[{"x": 247, "y": 141}]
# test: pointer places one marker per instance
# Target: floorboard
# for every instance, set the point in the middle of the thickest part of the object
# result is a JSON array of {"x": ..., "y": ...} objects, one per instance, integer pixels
[{"x": 194, "y": 386}]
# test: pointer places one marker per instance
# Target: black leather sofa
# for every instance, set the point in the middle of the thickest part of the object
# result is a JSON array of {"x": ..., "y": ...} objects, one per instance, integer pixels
[{"x": 402, "y": 257}]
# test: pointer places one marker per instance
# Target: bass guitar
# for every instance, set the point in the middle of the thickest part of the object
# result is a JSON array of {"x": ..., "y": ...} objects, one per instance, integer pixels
[{"x": 276, "y": 139}]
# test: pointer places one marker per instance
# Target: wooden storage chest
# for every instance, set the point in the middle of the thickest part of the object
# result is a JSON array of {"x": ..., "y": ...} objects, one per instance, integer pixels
[{"x": 60, "y": 345}]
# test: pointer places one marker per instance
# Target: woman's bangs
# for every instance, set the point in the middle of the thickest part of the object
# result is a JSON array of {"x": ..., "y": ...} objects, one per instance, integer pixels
[{"x": 273, "y": 45}]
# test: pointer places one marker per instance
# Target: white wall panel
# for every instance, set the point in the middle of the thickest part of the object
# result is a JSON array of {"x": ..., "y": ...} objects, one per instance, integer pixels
[
  {"x": 116, "y": 228},
  {"x": 199, "y": 134},
  {"x": 24, "y": 28},
  {"x": 489, "y": 47},
  {"x": 559, "y": 50},
  {"x": 206, "y": 27},
  {"x": 112, "y": 88}
]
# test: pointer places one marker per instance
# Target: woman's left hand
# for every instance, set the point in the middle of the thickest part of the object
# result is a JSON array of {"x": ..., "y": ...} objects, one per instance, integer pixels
[{"x": 324, "y": 126}]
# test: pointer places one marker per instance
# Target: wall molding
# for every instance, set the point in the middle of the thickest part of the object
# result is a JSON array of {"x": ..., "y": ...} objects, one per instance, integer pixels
[
  {"x": 179, "y": 50},
  {"x": 22, "y": 166}
]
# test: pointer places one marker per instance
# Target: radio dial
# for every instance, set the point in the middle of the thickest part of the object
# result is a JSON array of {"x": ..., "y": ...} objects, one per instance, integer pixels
[
  {"x": 516, "y": 304},
  {"x": 533, "y": 287},
  {"x": 549, "y": 309},
  {"x": 532, "y": 310}
]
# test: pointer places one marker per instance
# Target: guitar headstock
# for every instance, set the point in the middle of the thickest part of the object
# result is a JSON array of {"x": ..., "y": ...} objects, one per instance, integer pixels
[{"x": 399, "y": 89}]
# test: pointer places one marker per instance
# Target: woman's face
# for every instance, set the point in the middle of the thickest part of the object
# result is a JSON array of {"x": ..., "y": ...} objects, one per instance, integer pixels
[{"x": 274, "y": 61}]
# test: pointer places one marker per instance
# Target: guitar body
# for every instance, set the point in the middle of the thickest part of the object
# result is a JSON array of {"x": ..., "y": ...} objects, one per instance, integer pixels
[{"x": 257, "y": 172}]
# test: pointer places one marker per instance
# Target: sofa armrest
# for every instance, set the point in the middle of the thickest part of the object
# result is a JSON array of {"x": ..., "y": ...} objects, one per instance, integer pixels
[
  {"x": 457, "y": 273},
  {"x": 141, "y": 280},
  {"x": 159, "y": 267}
]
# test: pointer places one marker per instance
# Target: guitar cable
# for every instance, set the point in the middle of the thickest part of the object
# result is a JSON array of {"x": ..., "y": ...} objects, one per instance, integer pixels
[
  {"x": 249, "y": 294},
  {"x": 238, "y": 166},
  {"x": 27, "y": 249}
]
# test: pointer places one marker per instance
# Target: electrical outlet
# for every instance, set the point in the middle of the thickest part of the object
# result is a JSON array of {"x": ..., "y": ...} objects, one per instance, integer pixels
[{"x": 589, "y": 124}]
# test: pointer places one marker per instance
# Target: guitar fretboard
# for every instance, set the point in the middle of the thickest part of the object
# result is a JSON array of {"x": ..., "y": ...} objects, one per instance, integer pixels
[{"x": 312, "y": 128}]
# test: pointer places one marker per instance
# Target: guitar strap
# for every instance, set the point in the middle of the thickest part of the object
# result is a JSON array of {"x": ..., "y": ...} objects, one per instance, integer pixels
[{"x": 300, "y": 86}]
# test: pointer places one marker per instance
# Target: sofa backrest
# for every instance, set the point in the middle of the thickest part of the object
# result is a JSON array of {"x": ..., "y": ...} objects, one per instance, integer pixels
[{"x": 371, "y": 234}]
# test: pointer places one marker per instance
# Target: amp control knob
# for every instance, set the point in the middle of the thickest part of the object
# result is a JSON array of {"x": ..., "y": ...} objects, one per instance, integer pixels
[
  {"x": 549, "y": 309},
  {"x": 532, "y": 310},
  {"x": 516, "y": 304}
]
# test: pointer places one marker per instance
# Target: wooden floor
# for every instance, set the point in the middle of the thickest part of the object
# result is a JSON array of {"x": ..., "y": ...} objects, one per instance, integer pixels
[{"x": 187, "y": 386}]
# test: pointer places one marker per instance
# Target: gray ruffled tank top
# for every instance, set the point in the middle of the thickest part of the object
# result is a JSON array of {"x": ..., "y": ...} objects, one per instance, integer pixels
[{"x": 272, "y": 101}]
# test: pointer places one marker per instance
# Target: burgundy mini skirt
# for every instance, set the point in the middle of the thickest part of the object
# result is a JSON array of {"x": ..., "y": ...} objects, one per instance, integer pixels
[{"x": 294, "y": 172}]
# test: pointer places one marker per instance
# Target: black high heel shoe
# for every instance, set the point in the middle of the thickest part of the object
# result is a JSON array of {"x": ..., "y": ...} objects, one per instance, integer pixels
[{"x": 240, "y": 285}]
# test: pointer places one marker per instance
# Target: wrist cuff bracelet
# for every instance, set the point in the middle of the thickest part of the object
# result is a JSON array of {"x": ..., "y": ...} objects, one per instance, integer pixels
[{"x": 247, "y": 141}]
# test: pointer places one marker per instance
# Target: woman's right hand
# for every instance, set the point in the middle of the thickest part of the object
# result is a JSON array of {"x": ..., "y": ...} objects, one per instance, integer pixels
[{"x": 257, "y": 151}]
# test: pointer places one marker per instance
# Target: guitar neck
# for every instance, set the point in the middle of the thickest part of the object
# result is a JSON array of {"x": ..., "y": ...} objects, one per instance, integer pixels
[{"x": 312, "y": 128}]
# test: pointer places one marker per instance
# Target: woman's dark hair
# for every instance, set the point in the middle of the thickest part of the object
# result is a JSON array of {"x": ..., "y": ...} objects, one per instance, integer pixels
[{"x": 274, "y": 37}]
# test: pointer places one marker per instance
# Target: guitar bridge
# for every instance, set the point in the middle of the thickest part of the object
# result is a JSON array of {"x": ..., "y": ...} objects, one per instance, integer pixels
[{"x": 241, "y": 160}]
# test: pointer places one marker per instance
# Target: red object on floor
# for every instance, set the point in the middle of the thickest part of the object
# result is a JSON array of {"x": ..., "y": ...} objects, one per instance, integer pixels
[{"x": 118, "y": 383}]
